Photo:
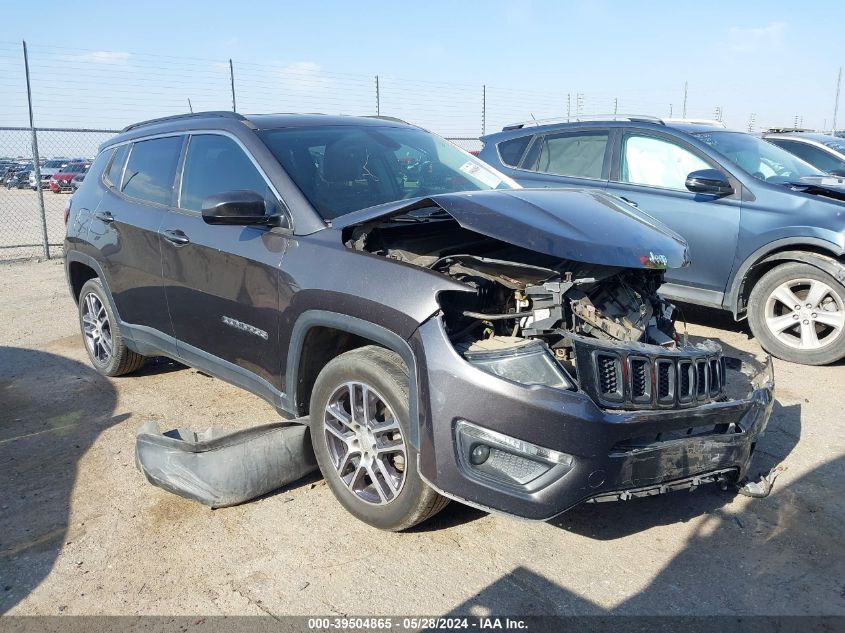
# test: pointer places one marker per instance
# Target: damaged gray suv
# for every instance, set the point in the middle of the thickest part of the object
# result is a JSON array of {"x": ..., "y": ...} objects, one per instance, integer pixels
[{"x": 442, "y": 332}]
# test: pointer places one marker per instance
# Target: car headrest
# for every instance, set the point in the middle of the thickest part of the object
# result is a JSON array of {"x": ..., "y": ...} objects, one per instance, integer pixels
[{"x": 344, "y": 161}]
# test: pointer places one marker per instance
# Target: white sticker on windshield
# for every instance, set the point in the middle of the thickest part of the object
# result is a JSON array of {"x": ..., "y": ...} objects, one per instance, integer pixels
[{"x": 479, "y": 173}]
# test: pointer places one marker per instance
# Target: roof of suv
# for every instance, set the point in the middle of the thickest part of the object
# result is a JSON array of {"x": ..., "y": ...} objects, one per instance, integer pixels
[
  {"x": 690, "y": 126},
  {"x": 809, "y": 136},
  {"x": 227, "y": 119}
]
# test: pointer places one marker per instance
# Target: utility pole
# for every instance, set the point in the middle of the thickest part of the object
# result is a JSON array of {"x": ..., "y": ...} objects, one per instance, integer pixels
[
  {"x": 670, "y": 110},
  {"x": 579, "y": 104},
  {"x": 568, "y": 106},
  {"x": 615, "y": 105},
  {"x": 751, "y": 121},
  {"x": 684, "y": 115},
  {"x": 378, "y": 98},
  {"x": 232, "y": 80},
  {"x": 36, "y": 162},
  {"x": 836, "y": 101},
  {"x": 483, "y": 109}
]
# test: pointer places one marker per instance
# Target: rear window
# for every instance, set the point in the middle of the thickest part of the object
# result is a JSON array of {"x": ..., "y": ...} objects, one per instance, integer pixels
[
  {"x": 115, "y": 170},
  {"x": 511, "y": 151},
  {"x": 151, "y": 169},
  {"x": 575, "y": 154}
]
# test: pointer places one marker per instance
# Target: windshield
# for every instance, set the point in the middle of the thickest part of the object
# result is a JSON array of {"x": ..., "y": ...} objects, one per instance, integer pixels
[
  {"x": 341, "y": 169},
  {"x": 761, "y": 159},
  {"x": 54, "y": 164}
]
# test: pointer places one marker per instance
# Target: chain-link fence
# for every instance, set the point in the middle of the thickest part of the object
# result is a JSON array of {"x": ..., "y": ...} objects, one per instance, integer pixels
[
  {"x": 32, "y": 221},
  {"x": 65, "y": 92}
]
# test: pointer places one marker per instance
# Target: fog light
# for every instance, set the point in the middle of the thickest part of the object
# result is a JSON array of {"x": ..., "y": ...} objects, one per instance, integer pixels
[
  {"x": 506, "y": 459},
  {"x": 479, "y": 454}
]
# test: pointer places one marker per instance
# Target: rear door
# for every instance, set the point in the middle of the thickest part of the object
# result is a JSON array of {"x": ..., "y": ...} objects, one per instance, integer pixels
[
  {"x": 571, "y": 158},
  {"x": 222, "y": 281},
  {"x": 651, "y": 173},
  {"x": 125, "y": 229}
]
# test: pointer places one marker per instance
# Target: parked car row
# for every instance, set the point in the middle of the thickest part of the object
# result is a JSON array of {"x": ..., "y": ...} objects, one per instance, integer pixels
[{"x": 57, "y": 174}]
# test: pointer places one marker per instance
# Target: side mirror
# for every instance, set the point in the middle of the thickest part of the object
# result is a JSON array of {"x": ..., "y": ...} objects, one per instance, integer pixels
[
  {"x": 837, "y": 172},
  {"x": 709, "y": 181},
  {"x": 235, "y": 207}
]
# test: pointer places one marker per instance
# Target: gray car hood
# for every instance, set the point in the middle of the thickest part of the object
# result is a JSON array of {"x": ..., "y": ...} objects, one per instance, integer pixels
[{"x": 575, "y": 224}]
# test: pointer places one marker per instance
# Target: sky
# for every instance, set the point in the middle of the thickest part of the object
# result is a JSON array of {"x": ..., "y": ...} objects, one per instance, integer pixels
[{"x": 106, "y": 64}]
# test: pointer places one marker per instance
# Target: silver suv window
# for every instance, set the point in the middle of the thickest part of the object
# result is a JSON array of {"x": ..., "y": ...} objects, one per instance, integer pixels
[
  {"x": 151, "y": 169},
  {"x": 575, "y": 154}
]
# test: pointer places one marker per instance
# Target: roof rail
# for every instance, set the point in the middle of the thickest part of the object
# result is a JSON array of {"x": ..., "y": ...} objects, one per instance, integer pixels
[
  {"x": 644, "y": 118},
  {"x": 713, "y": 122},
  {"x": 782, "y": 130},
  {"x": 382, "y": 117},
  {"x": 190, "y": 115}
]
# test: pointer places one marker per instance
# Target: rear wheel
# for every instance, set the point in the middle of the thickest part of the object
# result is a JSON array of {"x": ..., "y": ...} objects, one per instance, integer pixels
[
  {"x": 359, "y": 426},
  {"x": 101, "y": 333},
  {"x": 797, "y": 312}
]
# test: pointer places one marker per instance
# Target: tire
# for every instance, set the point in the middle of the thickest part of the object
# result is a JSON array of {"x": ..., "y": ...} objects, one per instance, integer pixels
[
  {"x": 812, "y": 334},
  {"x": 101, "y": 333},
  {"x": 367, "y": 460}
]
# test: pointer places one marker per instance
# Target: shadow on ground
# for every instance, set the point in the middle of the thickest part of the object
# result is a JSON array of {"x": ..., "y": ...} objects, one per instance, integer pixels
[
  {"x": 779, "y": 555},
  {"x": 38, "y": 445}
]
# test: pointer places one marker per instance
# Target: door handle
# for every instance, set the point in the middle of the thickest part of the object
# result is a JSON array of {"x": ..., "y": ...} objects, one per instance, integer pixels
[
  {"x": 631, "y": 202},
  {"x": 104, "y": 216},
  {"x": 175, "y": 236}
]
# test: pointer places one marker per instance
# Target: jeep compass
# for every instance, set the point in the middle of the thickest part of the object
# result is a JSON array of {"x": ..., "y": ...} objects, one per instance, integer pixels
[{"x": 443, "y": 332}]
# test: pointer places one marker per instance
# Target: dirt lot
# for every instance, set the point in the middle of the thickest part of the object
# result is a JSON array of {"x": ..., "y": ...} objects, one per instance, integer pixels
[{"x": 82, "y": 533}]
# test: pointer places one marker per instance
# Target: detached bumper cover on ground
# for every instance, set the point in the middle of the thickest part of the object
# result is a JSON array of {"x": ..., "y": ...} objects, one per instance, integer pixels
[{"x": 222, "y": 469}]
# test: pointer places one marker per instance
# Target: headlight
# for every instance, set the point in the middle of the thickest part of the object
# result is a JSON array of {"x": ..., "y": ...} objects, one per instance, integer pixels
[{"x": 527, "y": 362}]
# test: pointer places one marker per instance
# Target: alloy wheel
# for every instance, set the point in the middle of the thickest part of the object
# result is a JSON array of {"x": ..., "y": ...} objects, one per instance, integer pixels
[
  {"x": 96, "y": 329},
  {"x": 805, "y": 314},
  {"x": 365, "y": 443}
]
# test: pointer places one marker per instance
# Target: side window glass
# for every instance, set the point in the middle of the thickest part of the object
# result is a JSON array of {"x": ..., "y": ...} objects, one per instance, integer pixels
[
  {"x": 580, "y": 154},
  {"x": 151, "y": 169},
  {"x": 115, "y": 170},
  {"x": 216, "y": 164},
  {"x": 656, "y": 162},
  {"x": 511, "y": 151},
  {"x": 816, "y": 157}
]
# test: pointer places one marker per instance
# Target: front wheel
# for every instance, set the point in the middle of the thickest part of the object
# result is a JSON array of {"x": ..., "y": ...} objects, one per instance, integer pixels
[
  {"x": 797, "y": 312},
  {"x": 359, "y": 429}
]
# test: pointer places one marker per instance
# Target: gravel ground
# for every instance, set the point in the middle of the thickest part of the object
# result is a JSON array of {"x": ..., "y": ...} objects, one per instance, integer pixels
[{"x": 81, "y": 532}]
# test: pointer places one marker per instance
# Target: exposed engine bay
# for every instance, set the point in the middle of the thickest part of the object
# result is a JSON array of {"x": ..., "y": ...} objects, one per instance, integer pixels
[{"x": 522, "y": 296}]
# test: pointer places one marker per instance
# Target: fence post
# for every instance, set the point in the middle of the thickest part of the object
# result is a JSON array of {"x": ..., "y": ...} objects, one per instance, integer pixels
[
  {"x": 378, "y": 99},
  {"x": 483, "y": 109},
  {"x": 232, "y": 81},
  {"x": 684, "y": 115},
  {"x": 35, "y": 160}
]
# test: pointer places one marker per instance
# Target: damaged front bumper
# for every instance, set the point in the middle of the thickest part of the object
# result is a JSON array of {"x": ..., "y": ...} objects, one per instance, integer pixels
[{"x": 534, "y": 451}]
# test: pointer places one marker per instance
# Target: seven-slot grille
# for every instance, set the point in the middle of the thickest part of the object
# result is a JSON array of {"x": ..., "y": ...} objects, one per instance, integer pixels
[{"x": 633, "y": 380}]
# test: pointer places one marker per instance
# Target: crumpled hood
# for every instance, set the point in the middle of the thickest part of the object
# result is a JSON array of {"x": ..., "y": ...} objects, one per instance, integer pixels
[{"x": 576, "y": 224}]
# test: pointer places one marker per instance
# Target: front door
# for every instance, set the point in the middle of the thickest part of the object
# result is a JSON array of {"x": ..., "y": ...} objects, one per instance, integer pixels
[
  {"x": 222, "y": 281},
  {"x": 651, "y": 173}
]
